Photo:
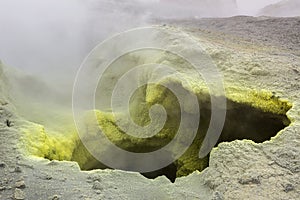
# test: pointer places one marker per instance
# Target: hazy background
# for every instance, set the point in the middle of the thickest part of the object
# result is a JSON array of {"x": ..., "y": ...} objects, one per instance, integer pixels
[
  {"x": 252, "y": 7},
  {"x": 50, "y": 38}
]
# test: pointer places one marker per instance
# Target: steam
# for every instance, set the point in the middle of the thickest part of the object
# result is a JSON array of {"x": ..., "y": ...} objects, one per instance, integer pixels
[{"x": 49, "y": 39}]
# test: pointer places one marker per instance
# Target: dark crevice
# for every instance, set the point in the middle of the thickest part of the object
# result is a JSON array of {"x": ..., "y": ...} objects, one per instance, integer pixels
[
  {"x": 8, "y": 123},
  {"x": 168, "y": 171},
  {"x": 242, "y": 122},
  {"x": 245, "y": 122}
]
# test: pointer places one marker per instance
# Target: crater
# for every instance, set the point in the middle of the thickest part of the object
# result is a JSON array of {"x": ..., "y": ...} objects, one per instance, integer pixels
[
  {"x": 251, "y": 115},
  {"x": 256, "y": 116}
]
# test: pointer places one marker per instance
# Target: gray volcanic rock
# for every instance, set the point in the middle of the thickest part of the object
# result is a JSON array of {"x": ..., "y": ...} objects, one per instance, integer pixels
[{"x": 277, "y": 32}]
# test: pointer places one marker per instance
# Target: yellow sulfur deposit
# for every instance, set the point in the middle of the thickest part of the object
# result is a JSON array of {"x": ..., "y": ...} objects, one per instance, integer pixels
[
  {"x": 50, "y": 145},
  {"x": 262, "y": 99},
  {"x": 67, "y": 146}
]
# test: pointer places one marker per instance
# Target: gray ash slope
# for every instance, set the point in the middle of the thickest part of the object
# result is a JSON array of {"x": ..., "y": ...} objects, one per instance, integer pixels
[{"x": 273, "y": 31}]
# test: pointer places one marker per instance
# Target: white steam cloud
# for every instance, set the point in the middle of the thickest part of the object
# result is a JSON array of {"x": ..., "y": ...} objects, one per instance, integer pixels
[{"x": 50, "y": 38}]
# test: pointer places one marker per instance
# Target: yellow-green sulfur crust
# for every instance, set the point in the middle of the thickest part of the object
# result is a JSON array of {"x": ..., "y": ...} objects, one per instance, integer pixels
[{"x": 67, "y": 145}]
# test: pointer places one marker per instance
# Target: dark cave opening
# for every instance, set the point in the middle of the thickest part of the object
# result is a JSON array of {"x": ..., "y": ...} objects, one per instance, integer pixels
[
  {"x": 246, "y": 122},
  {"x": 242, "y": 122}
]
